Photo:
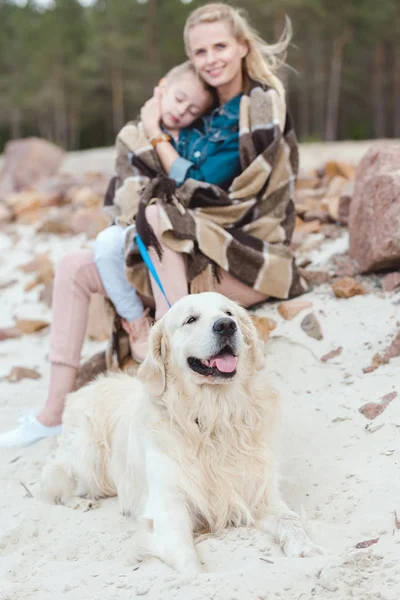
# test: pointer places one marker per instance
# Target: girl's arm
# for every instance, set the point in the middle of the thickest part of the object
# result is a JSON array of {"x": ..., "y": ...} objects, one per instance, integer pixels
[
  {"x": 219, "y": 167},
  {"x": 151, "y": 118}
]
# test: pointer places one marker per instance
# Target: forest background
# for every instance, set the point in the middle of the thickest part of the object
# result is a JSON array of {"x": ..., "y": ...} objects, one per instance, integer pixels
[{"x": 74, "y": 72}]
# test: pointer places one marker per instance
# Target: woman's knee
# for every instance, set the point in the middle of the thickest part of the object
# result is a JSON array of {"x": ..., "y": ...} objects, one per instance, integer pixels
[{"x": 153, "y": 216}]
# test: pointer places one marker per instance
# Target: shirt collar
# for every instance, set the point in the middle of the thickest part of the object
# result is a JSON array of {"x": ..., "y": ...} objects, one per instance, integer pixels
[{"x": 230, "y": 108}]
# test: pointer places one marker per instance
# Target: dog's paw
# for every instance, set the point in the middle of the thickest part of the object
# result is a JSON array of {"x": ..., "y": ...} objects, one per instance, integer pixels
[
  {"x": 140, "y": 548},
  {"x": 83, "y": 504},
  {"x": 300, "y": 546}
]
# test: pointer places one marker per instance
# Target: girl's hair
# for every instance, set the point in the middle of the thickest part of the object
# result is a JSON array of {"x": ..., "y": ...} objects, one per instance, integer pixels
[
  {"x": 262, "y": 59},
  {"x": 186, "y": 67}
]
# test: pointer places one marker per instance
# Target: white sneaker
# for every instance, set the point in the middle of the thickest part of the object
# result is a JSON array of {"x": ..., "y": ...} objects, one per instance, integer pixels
[{"x": 28, "y": 432}]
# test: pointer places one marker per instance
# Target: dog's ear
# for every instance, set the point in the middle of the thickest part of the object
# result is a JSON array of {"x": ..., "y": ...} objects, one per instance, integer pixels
[
  {"x": 152, "y": 370},
  {"x": 251, "y": 338}
]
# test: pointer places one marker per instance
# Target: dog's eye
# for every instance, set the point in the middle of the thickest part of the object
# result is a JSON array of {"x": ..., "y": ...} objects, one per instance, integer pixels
[
  {"x": 191, "y": 320},
  {"x": 228, "y": 312}
]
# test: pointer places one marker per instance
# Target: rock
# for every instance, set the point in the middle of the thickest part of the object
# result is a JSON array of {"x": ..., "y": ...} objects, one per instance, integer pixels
[
  {"x": 57, "y": 222},
  {"x": 4, "y": 285},
  {"x": 32, "y": 217},
  {"x": 344, "y": 203},
  {"x": 332, "y": 354},
  {"x": 335, "y": 187},
  {"x": 18, "y": 373},
  {"x": 313, "y": 215},
  {"x": 343, "y": 266},
  {"x": 315, "y": 277},
  {"x": 310, "y": 325},
  {"x": 347, "y": 287},
  {"x": 30, "y": 325},
  {"x": 331, "y": 231},
  {"x": 288, "y": 310},
  {"x": 28, "y": 201},
  {"x": 372, "y": 409},
  {"x": 27, "y": 161},
  {"x": 374, "y": 221},
  {"x": 9, "y": 333},
  {"x": 298, "y": 239},
  {"x": 394, "y": 348},
  {"x": 377, "y": 361},
  {"x": 309, "y": 199},
  {"x": 43, "y": 267},
  {"x": 330, "y": 203},
  {"x": 334, "y": 168},
  {"x": 264, "y": 326},
  {"x": 390, "y": 282},
  {"x": 84, "y": 196},
  {"x": 307, "y": 181},
  {"x": 46, "y": 294},
  {"x": 90, "y": 221},
  {"x": 6, "y": 214},
  {"x": 310, "y": 227},
  {"x": 22, "y": 202},
  {"x": 331, "y": 206}
]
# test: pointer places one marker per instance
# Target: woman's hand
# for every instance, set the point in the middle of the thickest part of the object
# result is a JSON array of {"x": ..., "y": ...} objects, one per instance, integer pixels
[{"x": 151, "y": 115}]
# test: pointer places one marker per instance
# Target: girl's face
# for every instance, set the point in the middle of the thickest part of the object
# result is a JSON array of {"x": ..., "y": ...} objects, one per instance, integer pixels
[
  {"x": 183, "y": 100},
  {"x": 217, "y": 55}
]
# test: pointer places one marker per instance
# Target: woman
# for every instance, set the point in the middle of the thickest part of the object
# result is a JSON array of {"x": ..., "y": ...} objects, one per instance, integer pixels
[
  {"x": 242, "y": 236},
  {"x": 235, "y": 242}
]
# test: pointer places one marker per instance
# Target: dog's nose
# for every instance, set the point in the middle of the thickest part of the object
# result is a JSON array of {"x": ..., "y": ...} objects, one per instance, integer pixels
[{"x": 225, "y": 326}]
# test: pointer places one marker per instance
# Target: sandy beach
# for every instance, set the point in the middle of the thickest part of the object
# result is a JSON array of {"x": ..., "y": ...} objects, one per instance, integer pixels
[{"x": 340, "y": 469}]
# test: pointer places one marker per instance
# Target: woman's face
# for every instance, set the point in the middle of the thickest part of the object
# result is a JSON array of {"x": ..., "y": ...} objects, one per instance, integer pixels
[{"x": 217, "y": 55}]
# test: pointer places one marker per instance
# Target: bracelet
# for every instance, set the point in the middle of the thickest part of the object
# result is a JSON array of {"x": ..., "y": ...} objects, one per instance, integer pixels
[{"x": 164, "y": 137}]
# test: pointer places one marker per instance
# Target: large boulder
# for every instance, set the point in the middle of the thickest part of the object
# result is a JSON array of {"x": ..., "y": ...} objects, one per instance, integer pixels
[
  {"x": 27, "y": 161},
  {"x": 374, "y": 220}
]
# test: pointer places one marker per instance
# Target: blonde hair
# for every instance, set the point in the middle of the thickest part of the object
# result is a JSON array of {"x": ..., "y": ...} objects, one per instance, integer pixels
[
  {"x": 262, "y": 59},
  {"x": 179, "y": 70}
]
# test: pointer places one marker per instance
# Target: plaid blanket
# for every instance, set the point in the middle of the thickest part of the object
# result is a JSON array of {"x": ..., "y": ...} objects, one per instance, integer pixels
[{"x": 246, "y": 230}]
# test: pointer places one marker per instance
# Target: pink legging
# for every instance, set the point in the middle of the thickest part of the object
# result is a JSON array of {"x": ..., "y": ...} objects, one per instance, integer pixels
[{"x": 77, "y": 278}]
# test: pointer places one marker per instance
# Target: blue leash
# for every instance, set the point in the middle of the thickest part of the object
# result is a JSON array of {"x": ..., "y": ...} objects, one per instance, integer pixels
[{"x": 150, "y": 265}]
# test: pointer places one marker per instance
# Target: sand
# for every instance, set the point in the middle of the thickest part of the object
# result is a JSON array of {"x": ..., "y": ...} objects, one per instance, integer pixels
[{"x": 340, "y": 470}]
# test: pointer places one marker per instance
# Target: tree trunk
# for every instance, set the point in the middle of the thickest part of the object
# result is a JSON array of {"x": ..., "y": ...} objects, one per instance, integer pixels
[
  {"x": 396, "y": 95},
  {"x": 74, "y": 123},
  {"x": 303, "y": 103},
  {"x": 117, "y": 92},
  {"x": 153, "y": 45},
  {"x": 279, "y": 23},
  {"x": 318, "y": 89},
  {"x": 378, "y": 91},
  {"x": 15, "y": 123},
  {"x": 332, "y": 111},
  {"x": 61, "y": 134}
]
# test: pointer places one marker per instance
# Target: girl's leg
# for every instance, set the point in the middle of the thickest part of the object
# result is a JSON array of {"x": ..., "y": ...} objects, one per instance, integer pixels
[
  {"x": 238, "y": 291},
  {"x": 76, "y": 279},
  {"x": 171, "y": 270},
  {"x": 109, "y": 255}
]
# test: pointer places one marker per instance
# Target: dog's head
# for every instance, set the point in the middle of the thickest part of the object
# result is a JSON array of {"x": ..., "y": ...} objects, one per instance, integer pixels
[{"x": 204, "y": 337}]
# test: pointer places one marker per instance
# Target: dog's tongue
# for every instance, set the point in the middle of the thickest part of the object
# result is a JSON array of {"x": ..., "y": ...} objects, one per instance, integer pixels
[{"x": 226, "y": 363}]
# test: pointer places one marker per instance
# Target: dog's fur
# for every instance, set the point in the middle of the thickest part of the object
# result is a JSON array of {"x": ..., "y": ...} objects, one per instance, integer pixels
[{"x": 183, "y": 451}]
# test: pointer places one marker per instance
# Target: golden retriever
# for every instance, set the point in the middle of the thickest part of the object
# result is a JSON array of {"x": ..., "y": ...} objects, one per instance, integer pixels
[{"x": 189, "y": 444}]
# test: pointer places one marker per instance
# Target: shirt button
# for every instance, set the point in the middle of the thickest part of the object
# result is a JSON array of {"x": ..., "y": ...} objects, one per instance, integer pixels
[{"x": 197, "y": 154}]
